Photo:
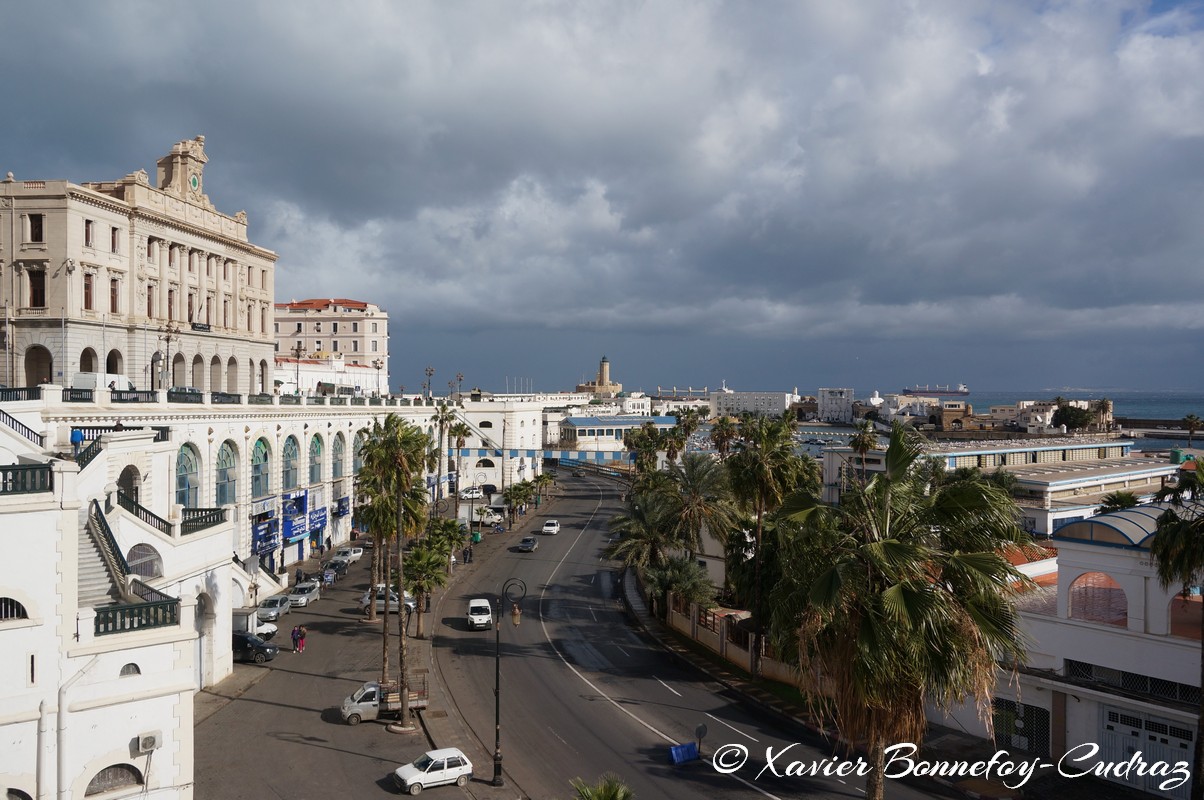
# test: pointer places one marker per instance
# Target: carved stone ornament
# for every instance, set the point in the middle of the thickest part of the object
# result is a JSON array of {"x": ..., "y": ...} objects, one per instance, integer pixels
[{"x": 241, "y": 217}]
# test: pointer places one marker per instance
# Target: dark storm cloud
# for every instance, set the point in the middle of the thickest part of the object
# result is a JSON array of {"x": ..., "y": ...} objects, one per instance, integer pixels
[{"x": 787, "y": 194}]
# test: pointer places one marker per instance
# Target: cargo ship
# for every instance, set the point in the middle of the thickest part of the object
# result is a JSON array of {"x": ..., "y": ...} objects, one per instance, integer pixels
[{"x": 938, "y": 390}]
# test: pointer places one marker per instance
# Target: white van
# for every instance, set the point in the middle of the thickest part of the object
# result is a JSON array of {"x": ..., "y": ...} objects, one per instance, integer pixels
[
  {"x": 480, "y": 614},
  {"x": 100, "y": 380}
]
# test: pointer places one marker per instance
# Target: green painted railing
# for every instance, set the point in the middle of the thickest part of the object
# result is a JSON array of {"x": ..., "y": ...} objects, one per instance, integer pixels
[
  {"x": 145, "y": 514},
  {"x": 157, "y": 611},
  {"x": 26, "y": 478},
  {"x": 198, "y": 519}
]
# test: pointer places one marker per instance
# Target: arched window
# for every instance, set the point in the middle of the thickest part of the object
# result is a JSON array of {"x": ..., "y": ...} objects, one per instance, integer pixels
[
  {"x": 10, "y": 609},
  {"x": 16, "y": 794},
  {"x": 315, "y": 459},
  {"x": 117, "y": 776},
  {"x": 188, "y": 476},
  {"x": 130, "y": 669},
  {"x": 144, "y": 560},
  {"x": 337, "y": 456},
  {"x": 357, "y": 453},
  {"x": 261, "y": 470},
  {"x": 484, "y": 463},
  {"x": 226, "y": 488},
  {"x": 486, "y": 424},
  {"x": 288, "y": 466}
]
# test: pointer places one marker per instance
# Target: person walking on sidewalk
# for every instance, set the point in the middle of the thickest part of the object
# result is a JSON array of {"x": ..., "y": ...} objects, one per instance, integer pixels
[
  {"x": 301, "y": 638},
  {"x": 296, "y": 637}
]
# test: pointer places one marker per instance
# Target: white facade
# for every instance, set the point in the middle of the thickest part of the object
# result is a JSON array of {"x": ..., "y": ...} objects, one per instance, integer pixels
[
  {"x": 333, "y": 375},
  {"x": 324, "y": 329},
  {"x": 731, "y": 403},
  {"x": 128, "y": 278},
  {"x": 836, "y": 405}
]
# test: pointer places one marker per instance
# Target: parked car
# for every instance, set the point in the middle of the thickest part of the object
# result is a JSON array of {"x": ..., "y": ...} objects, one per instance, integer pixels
[
  {"x": 480, "y": 614},
  {"x": 367, "y": 543},
  {"x": 528, "y": 544},
  {"x": 434, "y": 768},
  {"x": 551, "y": 527},
  {"x": 304, "y": 593},
  {"x": 249, "y": 647},
  {"x": 471, "y": 493},
  {"x": 488, "y": 489},
  {"x": 578, "y": 473},
  {"x": 338, "y": 566},
  {"x": 366, "y": 598},
  {"x": 352, "y": 554},
  {"x": 265, "y": 630},
  {"x": 274, "y": 607}
]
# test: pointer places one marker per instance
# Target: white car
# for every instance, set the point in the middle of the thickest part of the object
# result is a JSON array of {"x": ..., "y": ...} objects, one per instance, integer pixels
[
  {"x": 304, "y": 593},
  {"x": 471, "y": 493},
  {"x": 434, "y": 768},
  {"x": 551, "y": 527},
  {"x": 265, "y": 630},
  {"x": 480, "y": 614},
  {"x": 351, "y": 554}
]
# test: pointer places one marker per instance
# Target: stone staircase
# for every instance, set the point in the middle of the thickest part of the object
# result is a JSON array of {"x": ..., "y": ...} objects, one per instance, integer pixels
[{"x": 97, "y": 586}]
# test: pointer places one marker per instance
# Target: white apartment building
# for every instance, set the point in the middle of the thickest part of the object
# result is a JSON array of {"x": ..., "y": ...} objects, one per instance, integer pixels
[
  {"x": 836, "y": 405},
  {"x": 729, "y": 403},
  {"x": 126, "y": 277},
  {"x": 319, "y": 329}
]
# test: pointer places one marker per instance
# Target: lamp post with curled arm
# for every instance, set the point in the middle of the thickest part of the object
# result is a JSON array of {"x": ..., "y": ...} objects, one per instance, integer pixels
[{"x": 513, "y": 592}]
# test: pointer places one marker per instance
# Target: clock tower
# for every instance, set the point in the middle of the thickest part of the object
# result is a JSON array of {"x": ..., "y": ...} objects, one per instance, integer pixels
[{"x": 181, "y": 172}]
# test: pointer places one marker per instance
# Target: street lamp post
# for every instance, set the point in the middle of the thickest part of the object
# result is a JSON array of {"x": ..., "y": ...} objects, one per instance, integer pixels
[
  {"x": 430, "y": 373},
  {"x": 460, "y": 387},
  {"x": 472, "y": 502},
  {"x": 513, "y": 590},
  {"x": 297, "y": 351},
  {"x": 379, "y": 364},
  {"x": 167, "y": 334}
]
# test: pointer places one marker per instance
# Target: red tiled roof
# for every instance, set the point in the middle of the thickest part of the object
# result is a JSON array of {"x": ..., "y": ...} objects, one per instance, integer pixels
[{"x": 318, "y": 303}]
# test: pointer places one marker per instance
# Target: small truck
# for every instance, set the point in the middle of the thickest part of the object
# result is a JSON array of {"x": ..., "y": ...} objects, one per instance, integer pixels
[{"x": 376, "y": 701}]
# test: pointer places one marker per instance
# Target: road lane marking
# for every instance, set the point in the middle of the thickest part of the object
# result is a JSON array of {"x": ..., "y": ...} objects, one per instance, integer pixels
[
  {"x": 737, "y": 730},
  {"x": 592, "y": 614},
  {"x": 543, "y": 624},
  {"x": 621, "y": 650},
  {"x": 667, "y": 686}
]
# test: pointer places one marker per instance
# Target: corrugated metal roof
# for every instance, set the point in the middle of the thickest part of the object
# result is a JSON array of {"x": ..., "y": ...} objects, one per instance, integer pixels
[{"x": 1132, "y": 527}]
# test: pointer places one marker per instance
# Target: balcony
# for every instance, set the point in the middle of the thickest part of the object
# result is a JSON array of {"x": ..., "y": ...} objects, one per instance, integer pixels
[
  {"x": 26, "y": 479},
  {"x": 157, "y": 610}
]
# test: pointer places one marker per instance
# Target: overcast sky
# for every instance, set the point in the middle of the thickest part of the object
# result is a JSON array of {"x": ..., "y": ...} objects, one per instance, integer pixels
[{"x": 860, "y": 194}]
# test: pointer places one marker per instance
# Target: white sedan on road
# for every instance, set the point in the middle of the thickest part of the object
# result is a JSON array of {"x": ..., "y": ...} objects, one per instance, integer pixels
[
  {"x": 304, "y": 593},
  {"x": 551, "y": 527}
]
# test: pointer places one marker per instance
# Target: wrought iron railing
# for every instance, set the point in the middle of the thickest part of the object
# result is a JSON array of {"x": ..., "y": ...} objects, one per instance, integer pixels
[
  {"x": 338, "y": 401},
  {"x": 134, "y": 396},
  {"x": 79, "y": 396},
  {"x": 21, "y": 428},
  {"x": 290, "y": 399},
  {"x": 227, "y": 398},
  {"x": 26, "y": 478},
  {"x": 359, "y": 401},
  {"x": 108, "y": 545},
  {"x": 158, "y": 610},
  {"x": 143, "y": 513},
  {"x": 375, "y": 401},
  {"x": 16, "y": 395},
  {"x": 198, "y": 519},
  {"x": 314, "y": 400},
  {"x": 88, "y": 454},
  {"x": 259, "y": 399}
]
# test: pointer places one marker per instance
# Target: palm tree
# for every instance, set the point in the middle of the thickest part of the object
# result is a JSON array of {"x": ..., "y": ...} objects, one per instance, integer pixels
[
  {"x": 393, "y": 460},
  {"x": 1178, "y": 551},
  {"x": 703, "y": 496},
  {"x": 542, "y": 481},
  {"x": 1103, "y": 410},
  {"x": 446, "y": 537},
  {"x": 763, "y": 470},
  {"x": 684, "y": 578},
  {"x": 443, "y": 417},
  {"x": 897, "y": 598},
  {"x": 863, "y": 440},
  {"x": 674, "y": 442},
  {"x": 723, "y": 435},
  {"x": 609, "y": 787},
  {"x": 643, "y": 531},
  {"x": 426, "y": 570},
  {"x": 1192, "y": 423},
  {"x": 459, "y": 431},
  {"x": 1117, "y": 501},
  {"x": 645, "y": 441}
]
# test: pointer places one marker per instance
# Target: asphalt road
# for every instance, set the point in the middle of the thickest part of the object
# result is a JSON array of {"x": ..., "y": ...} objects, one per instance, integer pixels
[{"x": 583, "y": 694}]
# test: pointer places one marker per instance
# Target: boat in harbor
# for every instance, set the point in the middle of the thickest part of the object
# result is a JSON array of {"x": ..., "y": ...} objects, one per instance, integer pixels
[{"x": 938, "y": 390}]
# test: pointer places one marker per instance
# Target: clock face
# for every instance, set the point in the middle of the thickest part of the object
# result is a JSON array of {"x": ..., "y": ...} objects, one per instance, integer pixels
[{"x": 194, "y": 182}]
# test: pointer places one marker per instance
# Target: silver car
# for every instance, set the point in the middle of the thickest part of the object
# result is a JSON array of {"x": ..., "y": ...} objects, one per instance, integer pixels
[
  {"x": 304, "y": 593},
  {"x": 274, "y": 608}
]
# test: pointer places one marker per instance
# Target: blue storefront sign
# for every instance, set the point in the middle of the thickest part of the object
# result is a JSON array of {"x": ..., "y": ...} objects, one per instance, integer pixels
[
  {"x": 342, "y": 506},
  {"x": 317, "y": 519},
  {"x": 265, "y": 537},
  {"x": 296, "y": 528}
]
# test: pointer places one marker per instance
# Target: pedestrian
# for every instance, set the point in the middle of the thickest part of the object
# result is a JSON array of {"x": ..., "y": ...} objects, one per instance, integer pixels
[
  {"x": 296, "y": 637},
  {"x": 301, "y": 637},
  {"x": 77, "y": 438},
  {"x": 112, "y": 385},
  {"x": 470, "y": 554},
  {"x": 328, "y": 547},
  {"x": 118, "y": 426},
  {"x": 464, "y": 555}
]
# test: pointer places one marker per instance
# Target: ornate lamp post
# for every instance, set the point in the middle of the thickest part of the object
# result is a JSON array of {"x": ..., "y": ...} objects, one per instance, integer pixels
[
  {"x": 167, "y": 334},
  {"x": 513, "y": 590},
  {"x": 430, "y": 373},
  {"x": 460, "y": 386},
  {"x": 298, "y": 349},
  {"x": 379, "y": 364}
]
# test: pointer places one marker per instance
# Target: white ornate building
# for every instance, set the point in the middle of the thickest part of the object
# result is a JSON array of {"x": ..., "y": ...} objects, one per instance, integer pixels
[{"x": 351, "y": 332}]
